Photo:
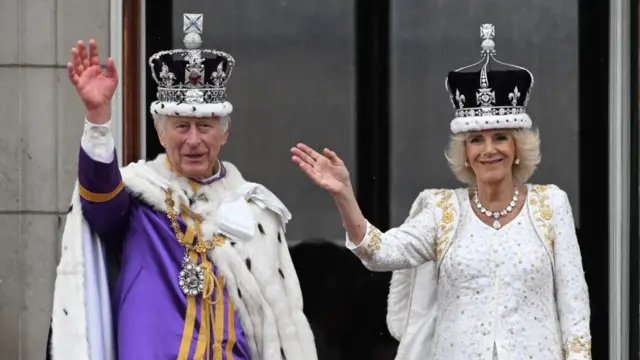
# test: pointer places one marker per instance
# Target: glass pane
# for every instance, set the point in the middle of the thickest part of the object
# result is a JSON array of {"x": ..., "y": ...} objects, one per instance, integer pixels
[
  {"x": 293, "y": 82},
  {"x": 431, "y": 38}
]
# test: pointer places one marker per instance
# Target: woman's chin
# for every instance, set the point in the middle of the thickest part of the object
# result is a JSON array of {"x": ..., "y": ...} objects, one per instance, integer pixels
[{"x": 492, "y": 177}]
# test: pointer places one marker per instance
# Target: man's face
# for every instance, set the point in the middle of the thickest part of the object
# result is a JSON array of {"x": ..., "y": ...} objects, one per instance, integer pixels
[{"x": 192, "y": 144}]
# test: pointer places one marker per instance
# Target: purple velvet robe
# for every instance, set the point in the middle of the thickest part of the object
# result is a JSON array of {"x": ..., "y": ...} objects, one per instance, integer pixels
[{"x": 153, "y": 319}]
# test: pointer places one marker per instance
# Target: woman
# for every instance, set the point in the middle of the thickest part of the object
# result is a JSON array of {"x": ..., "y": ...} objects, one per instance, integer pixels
[{"x": 492, "y": 271}]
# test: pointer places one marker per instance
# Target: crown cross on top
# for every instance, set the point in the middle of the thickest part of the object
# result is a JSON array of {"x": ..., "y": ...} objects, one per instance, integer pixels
[
  {"x": 192, "y": 23},
  {"x": 487, "y": 33}
]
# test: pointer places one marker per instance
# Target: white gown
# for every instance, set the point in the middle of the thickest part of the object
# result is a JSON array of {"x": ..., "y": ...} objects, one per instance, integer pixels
[
  {"x": 508, "y": 271},
  {"x": 517, "y": 293}
]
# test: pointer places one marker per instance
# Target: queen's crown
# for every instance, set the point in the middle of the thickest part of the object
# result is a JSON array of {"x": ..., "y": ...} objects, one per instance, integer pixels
[
  {"x": 489, "y": 92},
  {"x": 191, "y": 76}
]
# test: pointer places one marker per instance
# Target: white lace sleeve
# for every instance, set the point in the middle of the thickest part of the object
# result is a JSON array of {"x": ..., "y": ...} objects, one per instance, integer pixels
[
  {"x": 411, "y": 244},
  {"x": 572, "y": 295},
  {"x": 97, "y": 141}
]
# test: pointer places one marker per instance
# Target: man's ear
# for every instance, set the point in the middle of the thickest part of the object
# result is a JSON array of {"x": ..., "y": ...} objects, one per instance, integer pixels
[
  {"x": 225, "y": 136},
  {"x": 160, "y": 131}
]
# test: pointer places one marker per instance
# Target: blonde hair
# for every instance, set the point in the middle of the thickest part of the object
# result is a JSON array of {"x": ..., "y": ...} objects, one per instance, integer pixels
[{"x": 527, "y": 143}]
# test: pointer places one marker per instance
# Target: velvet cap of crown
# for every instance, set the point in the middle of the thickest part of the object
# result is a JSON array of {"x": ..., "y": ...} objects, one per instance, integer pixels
[
  {"x": 191, "y": 82},
  {"x": 489, "y": 99}
]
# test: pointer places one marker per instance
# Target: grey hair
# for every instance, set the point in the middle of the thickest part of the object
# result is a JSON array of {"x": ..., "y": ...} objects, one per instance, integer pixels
[
  {"x": 527, "y": 142},
  {"x": 159, "y": 119}
]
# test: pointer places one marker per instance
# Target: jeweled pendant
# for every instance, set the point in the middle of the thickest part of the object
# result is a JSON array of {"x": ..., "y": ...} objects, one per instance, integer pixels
[
  {"x": 191, "y": 278},
  {"x": 496, "y": 224}
]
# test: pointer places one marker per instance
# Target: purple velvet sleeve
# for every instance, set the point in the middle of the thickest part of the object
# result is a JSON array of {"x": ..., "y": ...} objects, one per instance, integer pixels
[{"x": 106, "y": 204}]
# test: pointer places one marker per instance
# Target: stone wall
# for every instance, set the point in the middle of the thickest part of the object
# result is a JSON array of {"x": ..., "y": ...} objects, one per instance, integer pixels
[{"x": 41, "y": 121}]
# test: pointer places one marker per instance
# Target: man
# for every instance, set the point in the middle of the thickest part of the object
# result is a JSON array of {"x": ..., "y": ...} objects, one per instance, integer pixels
[{"x": 204, "y": 270}]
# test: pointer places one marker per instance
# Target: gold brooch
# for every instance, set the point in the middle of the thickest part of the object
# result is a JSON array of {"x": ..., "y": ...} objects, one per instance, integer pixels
[{"x": 200, "y": 248}]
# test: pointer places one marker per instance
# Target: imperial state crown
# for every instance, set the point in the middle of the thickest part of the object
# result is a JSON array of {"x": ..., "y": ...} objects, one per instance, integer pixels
[
  {"x": 191, "y": 81},
  {"x": 489, "y": 98}
]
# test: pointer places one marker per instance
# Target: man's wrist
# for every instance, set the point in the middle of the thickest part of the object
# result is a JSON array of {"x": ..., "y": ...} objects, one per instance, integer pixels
[{"x": 99, "y": 116}]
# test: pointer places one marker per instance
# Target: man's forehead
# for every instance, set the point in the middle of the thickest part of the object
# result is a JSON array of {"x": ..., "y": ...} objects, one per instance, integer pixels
[{"x": 192, "y": 118}]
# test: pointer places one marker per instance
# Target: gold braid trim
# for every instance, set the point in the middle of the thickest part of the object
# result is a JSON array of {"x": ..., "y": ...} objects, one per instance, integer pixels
[
  {"x": 542, "y": 213},
  {"x": 446, "y": 221},
  {"x": 99, "y": 198}
]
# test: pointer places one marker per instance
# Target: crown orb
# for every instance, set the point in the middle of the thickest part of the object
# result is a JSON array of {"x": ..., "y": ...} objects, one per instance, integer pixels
[
  {"x": 488, "y": 47},
  {"x": 192, "y": 40}
]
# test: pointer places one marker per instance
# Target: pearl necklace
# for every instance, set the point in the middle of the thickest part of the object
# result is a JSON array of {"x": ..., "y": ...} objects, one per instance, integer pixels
[{"x": 496, "y": 215}]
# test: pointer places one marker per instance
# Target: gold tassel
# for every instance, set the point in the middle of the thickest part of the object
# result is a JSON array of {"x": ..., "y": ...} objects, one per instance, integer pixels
[{"x": 210, "y": 282}]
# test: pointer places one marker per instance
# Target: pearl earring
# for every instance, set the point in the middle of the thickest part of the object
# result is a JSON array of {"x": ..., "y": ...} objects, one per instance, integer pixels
[
  {"x": 517, "y": 162},
  {"x": 466, "y": 164}
]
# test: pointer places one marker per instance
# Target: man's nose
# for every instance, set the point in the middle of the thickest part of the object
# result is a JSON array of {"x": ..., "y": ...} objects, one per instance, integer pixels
[{"x": 193, "y": 136}]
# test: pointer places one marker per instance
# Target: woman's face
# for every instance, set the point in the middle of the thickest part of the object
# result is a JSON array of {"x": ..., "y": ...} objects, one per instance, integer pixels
[{"x": 491, "y": 154}]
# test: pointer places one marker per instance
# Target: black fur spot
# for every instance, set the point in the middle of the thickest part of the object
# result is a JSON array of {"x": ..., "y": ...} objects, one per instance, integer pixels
[
  {"x": 248, "y": 261},
  {"x": 162, "y": 106},
  {"x": 155, "y": 111},
  {"x": 239, "y": 293},
  {"x": 70, "y": 208},
  {"x": 261, "y": 228},
  {"x": 213, "y": 114},
  {"x": 282, "y": 353},
  {"x": 65, "y": 311},
  {"x": 233, "y": 243},
  {"x": 279, "y": 237},
  {"x": 177, "y": 113},
  {"x": 193, "y": 108},
  {"x": 281, "y": 273}
]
